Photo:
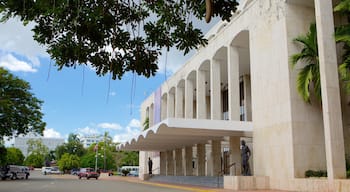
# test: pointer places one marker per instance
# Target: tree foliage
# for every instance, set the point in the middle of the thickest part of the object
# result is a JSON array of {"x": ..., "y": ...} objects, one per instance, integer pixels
[
  {"x": 114, "y": 36},
  {"x": 124, "y": 158},
  {"x": 89, "y": 159},
  {"x": 68, "y": 162},
  {"x": 36, "y": 147},
  {"x": 20, "y": 110},
  {"x": 34, "y": 160},
  {"x": 74, "y": 146},
  {"x": 309, "y": 75},
  {"x": 146, "y": 124},
  {"x": 342, "y": 35},
  {"x": 14, "y": 156}
]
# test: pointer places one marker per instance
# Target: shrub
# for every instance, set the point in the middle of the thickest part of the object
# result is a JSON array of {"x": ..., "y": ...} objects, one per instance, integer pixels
[
  {"x": 125, "y": 172},
  {"x": 312, "y": 173}
]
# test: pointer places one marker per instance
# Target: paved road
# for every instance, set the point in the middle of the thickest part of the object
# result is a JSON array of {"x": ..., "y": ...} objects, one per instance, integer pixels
[{"x": 51, "y": 183}]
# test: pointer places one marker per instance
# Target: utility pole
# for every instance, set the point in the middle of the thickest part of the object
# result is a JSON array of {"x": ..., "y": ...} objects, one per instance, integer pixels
[
  {"x": 96, "y": 156},
  {"x": 104, "y": 152}
]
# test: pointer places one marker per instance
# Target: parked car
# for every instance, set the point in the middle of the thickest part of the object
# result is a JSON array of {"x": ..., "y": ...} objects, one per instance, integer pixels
[
  {"x": 14, "y": 172},
  {"x": 55, "y": 170},
  {"x": 46, "y": 170},
  {"x": 74, "y": 171},
  {"x": 88, "y": 173}
]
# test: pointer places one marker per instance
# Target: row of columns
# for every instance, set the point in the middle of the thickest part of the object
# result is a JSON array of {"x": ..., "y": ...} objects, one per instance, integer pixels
[
  {"x": 179, "y": 161},
  {"x": 179, "y": 101}
]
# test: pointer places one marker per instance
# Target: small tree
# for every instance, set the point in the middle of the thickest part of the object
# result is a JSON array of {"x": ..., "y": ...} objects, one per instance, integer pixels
[
  {"x": 146, "y": 124},
  {"x": 37, "y": 152},
  {"x": 308, "y": 78},
  {"x": 342, "y": 35},
  {"x": 14, "y": 156},
  {"x": 68, "y": 162},
  {"x": 34, "y": 160}
]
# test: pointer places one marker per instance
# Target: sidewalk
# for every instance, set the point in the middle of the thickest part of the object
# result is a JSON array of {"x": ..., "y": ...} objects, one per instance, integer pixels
[{"x": 176, "y": 186}]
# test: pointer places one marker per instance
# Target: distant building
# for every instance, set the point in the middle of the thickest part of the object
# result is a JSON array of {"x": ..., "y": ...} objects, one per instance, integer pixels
[
  {"x": 88, "y": 140},
  {"x": 51, "y": 143}
]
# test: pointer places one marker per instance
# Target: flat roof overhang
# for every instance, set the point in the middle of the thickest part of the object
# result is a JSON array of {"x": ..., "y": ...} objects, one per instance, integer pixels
[{"x": 174, "y": 133}]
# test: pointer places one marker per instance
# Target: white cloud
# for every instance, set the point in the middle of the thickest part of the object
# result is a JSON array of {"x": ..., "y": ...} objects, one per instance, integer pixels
[
  {"x": 11, "y": 63},
  {"x": 16, "y": 38},
  {"x": 51, "y": 133},
  {"x": 131, "y": 131},
  {"x": 127, "y": 135},
  {"x": 113, "y": 126},
  {"x": 87, "y": 131},
  {"x": 134, "y": 123}
]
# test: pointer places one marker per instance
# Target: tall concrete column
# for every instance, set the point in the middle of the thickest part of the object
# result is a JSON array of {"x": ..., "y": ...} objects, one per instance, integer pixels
[
  {"x": 215, "y": 90},
  {"x": 332, "y": 116},
  {"x": 235, "y": 155},
  {"x": 178, "y": 161},
  {"x": 171, "y": 105},
  {"x": 200, "y": 159},
  {"x": 151, "y": 115},
  {"x": 188, "y": 161},
  {"x": 169, "y": 163},
  {"x": 216, "y": 157},
  {"x": 201, "y": 102},
  {"x": 189, "y": 99},
  {"x": 233, "y": 83},
  {"x": 179, "y": 99},
  {"x": 163, "y": 162},
  {"x": 247, "y": 98},
  {"x": 164, "y": 107}
]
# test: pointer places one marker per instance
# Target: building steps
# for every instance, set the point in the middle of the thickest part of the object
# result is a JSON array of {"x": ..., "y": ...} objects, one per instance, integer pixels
[{"x": 205, "y": 181}]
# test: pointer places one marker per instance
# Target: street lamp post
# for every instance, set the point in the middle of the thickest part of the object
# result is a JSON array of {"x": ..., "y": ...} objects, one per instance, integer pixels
[{"x": 104, "y": 152}]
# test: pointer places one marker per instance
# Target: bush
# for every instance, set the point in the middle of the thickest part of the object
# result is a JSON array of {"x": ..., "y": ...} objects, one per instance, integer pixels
[
  {"x": 312, "y": 173},
  {"x": 125, "y": 172}
]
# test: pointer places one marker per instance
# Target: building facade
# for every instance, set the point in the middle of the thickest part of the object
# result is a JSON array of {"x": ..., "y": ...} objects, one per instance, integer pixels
[
  {"x": 241, "y": 87},
  {"x": 50, "y": 143},
  {"x": 88, "y": 140}
]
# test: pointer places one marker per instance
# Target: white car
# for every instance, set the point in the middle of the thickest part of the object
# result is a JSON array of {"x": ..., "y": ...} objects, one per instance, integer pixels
[
  {"x": 55, "y": 170},
  {"x": 46, "y": 170}
]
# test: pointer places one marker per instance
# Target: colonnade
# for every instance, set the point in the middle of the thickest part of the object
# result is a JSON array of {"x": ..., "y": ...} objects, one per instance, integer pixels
[
  {"x": 180, "y": 162},
  {"x": 198, "y": 94}
]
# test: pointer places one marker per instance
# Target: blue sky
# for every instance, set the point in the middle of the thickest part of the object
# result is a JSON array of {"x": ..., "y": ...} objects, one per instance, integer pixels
[{"x": 77, "y": 100}]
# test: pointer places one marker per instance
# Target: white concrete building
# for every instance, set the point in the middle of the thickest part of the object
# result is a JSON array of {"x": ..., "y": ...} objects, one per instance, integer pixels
[
  {"x": 88, "y": 140},
  {"x": 50, "y": 143},
  {"x": 241, "y": 86}
]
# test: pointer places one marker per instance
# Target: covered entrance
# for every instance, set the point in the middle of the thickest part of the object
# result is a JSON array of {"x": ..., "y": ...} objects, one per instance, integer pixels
[{"x": 191, "y": 147}]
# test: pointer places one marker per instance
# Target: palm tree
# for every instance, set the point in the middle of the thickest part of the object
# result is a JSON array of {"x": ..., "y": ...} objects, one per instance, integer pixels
[
  {"x": 308, "y": 79},
  {"x": 146, "y": 123},
  {"x": 342, "y": 35}
]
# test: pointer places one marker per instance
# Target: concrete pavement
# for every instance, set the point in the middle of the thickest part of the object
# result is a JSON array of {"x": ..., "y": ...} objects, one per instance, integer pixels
[{"x": 176, "y": 186}]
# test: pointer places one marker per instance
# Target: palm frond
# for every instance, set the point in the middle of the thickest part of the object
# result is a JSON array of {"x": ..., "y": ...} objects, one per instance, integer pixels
[
  {"x": 310, "y": 72},
  {"x": 303, "y": 83},
  {"x": 344, "y": 71},
  {"x": 343, "y": 6},
  {"x": 342, "y": 34}
]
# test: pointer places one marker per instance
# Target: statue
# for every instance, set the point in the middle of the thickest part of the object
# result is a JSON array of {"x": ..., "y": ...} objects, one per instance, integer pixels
[
  {"x": 150, "y": 163},
  {"x": 245, "y": 154}
]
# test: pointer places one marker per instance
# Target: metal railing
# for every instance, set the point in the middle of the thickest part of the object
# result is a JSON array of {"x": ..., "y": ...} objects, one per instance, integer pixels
[{"x": 222, "y": 172}]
